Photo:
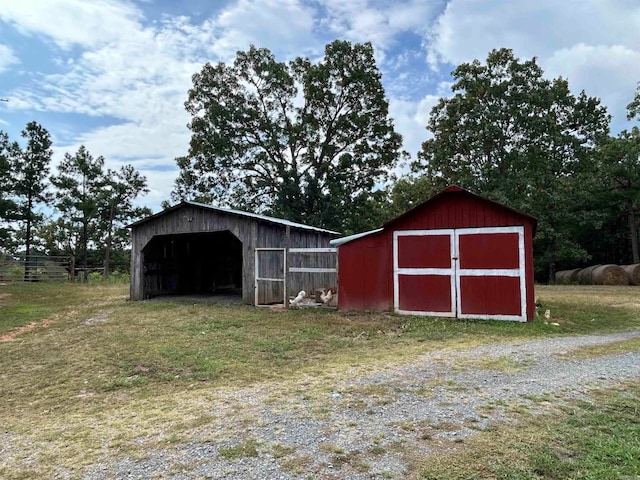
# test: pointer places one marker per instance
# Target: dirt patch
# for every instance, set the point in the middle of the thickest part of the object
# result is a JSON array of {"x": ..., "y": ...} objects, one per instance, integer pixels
[
  {"x": 4, "y": 295},
  {"x": 11, "y": 336}
]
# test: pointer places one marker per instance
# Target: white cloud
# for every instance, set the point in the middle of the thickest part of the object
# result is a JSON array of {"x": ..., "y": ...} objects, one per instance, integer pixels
[
  {"x": 379, "y": 22},
  {"x": 72, "y": 22},
  {"x": 608, "y": 72},
  {"x": 410, "y": 120},
  {"x": 592, "y": 43},
  {"x": 7, "y": 58},
  {"x": 285, "y": 26},
  {"x": 468, "y": 29}
]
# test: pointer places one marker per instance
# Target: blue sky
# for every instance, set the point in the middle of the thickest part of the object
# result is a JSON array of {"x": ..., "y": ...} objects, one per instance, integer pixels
[{"x": 114, "y": 74}]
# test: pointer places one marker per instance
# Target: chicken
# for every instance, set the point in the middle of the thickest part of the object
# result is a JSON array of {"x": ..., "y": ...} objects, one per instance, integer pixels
[
  {"x": 326, "y": 297},
  {"x": 547, "y": 314},
  {"x": 296, "y": 301}
]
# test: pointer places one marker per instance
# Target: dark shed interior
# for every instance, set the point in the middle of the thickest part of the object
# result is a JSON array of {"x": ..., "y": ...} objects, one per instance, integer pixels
[{"x": 204, "y": 263}]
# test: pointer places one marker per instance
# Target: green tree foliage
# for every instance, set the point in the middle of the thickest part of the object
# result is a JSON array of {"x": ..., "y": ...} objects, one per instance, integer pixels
[
  {"x": 621, "y": 186},
  {"x": 304, "y": 141},
  {"x": 519, "y": 138},
  {"x": 620, "y": 172},
  {"x": 115, "y": 208},
  {"x": 79, "y": 182},
  {"x": 633, "y": 109},
  {"x": 8, "y": 206},
  {"x": 409, "y": 191},
  {"x": 60, "y": 237},
  {"x": 29, "y": 170}
]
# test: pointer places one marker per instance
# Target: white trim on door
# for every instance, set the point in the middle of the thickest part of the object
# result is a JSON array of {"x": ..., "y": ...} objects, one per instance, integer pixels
[
  {"x": 397, "y": 271},
  {"x": 455, "y": 273}
]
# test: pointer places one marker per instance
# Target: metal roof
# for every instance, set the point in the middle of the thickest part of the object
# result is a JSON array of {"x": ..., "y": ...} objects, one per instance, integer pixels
[
  {"x": 265, "y": 218},
  {"x": 339, "y": 241}
]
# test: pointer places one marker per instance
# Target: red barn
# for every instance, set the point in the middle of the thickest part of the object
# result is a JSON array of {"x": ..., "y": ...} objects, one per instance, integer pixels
[{"x": 456, "y": 255}]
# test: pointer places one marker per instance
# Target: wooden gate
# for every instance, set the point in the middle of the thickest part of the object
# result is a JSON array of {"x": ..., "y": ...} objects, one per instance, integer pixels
[
  {"x": 463, "y": 273},
  {"x": 270, "y": 276},
  {"x": 280, "y": 273},
  {"x": 311, "y": 269}
]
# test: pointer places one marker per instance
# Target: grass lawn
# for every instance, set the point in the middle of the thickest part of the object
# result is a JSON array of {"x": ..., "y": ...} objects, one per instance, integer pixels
[
  {"x": 595, "y": 439},
  {"x": 87, "y": 375}
]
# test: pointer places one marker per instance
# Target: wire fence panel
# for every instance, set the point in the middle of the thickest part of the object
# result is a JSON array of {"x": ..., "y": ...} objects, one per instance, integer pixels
[{"x": 39, "y": 268}]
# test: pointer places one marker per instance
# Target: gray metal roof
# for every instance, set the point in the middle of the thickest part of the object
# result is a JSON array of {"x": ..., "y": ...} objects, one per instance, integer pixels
[
  {"x": 339, "y": 241},
  {"x": 240, "y": 213}
]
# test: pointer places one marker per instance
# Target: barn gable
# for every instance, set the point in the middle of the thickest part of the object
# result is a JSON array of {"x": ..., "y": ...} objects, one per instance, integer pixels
[
  {"x": 192, "y": 248},
  {"x": 457, "y": 254},
  {"x": 455, "y": 207}
]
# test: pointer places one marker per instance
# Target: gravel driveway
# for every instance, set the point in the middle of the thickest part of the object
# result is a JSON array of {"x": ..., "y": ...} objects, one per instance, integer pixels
[{"x": 360, "y": 425}]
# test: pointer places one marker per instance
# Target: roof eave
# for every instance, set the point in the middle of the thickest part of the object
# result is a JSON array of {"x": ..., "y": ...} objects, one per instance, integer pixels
[{"x": 239, "y": 213}]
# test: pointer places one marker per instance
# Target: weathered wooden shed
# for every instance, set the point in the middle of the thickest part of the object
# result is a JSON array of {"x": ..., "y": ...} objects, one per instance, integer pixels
[
  {"x": 456, "y": 255},
  {"x": 193, "y": 248}
]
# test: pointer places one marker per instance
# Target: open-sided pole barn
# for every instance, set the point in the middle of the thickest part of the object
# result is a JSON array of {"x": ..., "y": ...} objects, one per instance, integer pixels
[
  {"x": 456, "y": 255},
  {"x": 193, "y": 248}
]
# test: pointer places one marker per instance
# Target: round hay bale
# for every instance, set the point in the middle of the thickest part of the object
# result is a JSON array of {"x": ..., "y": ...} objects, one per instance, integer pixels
[
  {"x": 609, "y": 275},
  {"x": 565, "y": 277},
  {"x": 633, "y": 271},
  {"x": 584, "y": 275}
]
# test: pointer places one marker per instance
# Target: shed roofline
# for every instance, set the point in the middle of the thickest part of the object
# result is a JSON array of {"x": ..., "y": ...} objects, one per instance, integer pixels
[
  {"x": 240, "y": 213},
  {"x": 454, "y": 188}
]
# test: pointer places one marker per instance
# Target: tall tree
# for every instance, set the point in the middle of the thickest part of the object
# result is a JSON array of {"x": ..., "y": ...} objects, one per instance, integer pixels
[
  {"x": 306, "y": 141},
  {"x": 115, "y": 203},
  {"x": 513, "y": 135},
  {"x": 29, "y": 168},
  {"x": 7, "y": 204},
  {"x": 620, "y": 158},
  {"x": 79, "y": 182}
]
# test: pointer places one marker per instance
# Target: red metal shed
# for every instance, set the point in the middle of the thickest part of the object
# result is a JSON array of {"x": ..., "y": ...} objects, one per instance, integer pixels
[{"x": 456, "y": 255}]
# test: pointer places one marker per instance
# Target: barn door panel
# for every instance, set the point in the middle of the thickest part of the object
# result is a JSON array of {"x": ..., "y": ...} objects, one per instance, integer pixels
[
  {"x": 270, "y": 275},
  {"x": 490, "y": 277},
  {"x": 464, "y": 273},
  {"x": 424, "y": 272}
]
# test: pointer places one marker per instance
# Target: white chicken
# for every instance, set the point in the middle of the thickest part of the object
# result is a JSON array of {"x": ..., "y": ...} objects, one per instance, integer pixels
[
  {"x": 547, "y": 315},
  {"x": 296, "y": 301},
  {"x": 327, "y": 296}
]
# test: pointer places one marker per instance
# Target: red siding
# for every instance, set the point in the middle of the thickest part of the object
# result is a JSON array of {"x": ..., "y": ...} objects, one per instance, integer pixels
[
  {"x": 366, "y": 264},
  {"x": 365, "y": 280},
  {"x": 456, "y": 210}
]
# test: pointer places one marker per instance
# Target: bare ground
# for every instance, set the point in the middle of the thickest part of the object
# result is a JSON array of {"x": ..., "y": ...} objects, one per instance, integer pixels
[{"x": 368, "y": 424}]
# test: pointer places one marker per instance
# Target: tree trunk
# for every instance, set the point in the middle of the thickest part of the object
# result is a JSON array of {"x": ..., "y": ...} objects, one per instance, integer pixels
[
  {"x": 107, "y": 250},
  {"x": 85, "y": 228},
  {"x": 633, "y": 230},
  {"x": 72, "y": 269},
  {"x": 27, "y": 255},
  {"x": 552, "y": 272}
]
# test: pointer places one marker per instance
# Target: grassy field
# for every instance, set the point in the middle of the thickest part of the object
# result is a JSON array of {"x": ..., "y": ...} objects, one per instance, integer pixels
[{"x": 87, "y": 375}]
